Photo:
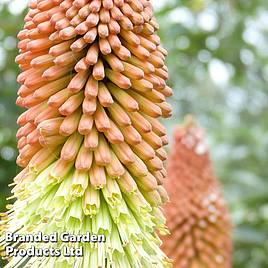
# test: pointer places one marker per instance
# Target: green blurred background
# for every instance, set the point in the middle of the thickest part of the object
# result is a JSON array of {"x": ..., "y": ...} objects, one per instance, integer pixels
[{"x": 218, "y": 62}]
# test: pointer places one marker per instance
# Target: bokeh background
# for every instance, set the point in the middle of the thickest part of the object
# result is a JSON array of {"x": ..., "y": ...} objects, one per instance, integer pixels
[{"x": 218, "y": 62}]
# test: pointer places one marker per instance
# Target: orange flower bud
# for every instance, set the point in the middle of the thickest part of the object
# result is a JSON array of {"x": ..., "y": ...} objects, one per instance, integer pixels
[{"x": 71, "y": 147}]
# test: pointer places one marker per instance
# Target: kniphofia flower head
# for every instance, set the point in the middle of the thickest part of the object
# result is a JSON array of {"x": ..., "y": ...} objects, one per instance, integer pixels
[
  {"x": 93, "y": 82},
  {"x": 197, "y": 215}
]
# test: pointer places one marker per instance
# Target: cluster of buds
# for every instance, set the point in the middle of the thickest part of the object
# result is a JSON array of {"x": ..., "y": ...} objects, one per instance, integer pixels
[
  {"x": 93, "y": 82},
  {"x": 197, "y": 215}
]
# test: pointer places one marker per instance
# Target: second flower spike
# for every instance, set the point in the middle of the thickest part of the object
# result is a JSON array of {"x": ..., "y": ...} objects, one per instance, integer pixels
[{"x": 197, "y": 215}]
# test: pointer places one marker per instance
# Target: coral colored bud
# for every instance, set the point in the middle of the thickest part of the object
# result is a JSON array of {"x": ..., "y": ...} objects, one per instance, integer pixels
[
  {"x": 123, "y": 98},
  {"x": 115, "y": 169},
  {"x": 104, "y": 96},
  {"x": 118, "y": 79},
  {"x": 71, "y": 147},
  {"x": 70, "y": 123},
  {"x": 84, "y": 159},
  {"x": 102, "y": 154},
  {"x": 124, "y": 153},
  {"x": 97, "y": 176}
]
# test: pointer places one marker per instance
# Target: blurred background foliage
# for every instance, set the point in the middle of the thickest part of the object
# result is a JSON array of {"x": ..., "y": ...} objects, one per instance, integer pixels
[{"x": 218, "y": 62}]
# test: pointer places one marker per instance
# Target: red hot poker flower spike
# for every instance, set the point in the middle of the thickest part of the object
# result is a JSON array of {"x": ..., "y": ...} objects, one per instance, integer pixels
[
  {"x": 93, "y": 82},
  {"x": 196, "y": 215}
]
